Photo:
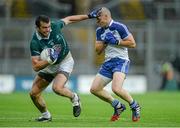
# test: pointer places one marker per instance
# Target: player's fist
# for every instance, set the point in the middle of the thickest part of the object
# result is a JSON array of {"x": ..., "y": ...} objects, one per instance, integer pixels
[
  {"x": 94, "y": 13},
  {"x": 53, "y": 56},
  {"x": 110, "y": 39}
]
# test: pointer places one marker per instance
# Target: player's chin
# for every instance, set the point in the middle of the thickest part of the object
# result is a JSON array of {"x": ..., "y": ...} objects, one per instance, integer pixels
[
  {"x": 45, "y": 34},
  {"x": 99, "y": 24}
]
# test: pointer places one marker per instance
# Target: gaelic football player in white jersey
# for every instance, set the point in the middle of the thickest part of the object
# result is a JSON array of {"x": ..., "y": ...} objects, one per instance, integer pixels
[{"x": 115, "y": 39}]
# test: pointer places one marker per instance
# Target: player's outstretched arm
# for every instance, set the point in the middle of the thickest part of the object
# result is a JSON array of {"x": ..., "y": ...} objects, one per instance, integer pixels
[{"x": 74, "y": 18}]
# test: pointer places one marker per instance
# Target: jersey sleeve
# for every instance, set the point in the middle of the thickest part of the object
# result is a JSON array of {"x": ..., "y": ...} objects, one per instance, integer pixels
[
  {"x": 35, "y": 51},
  {"x": 58, "y": 25},
  {"x": 123, "y": 31},
  {"x": 98, "y": 34}
]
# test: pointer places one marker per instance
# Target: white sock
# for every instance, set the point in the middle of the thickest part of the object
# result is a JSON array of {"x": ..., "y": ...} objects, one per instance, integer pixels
[
  {"x": 74, "y": 97},
  {"x": 46, "y": 114}
]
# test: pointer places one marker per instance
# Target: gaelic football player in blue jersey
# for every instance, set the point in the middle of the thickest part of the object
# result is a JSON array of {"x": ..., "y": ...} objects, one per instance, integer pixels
[
  {"x": 115, "y": 38},
  {"x": 58, "y": 65}
]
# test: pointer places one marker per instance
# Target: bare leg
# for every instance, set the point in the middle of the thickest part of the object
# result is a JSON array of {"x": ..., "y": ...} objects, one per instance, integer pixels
[
  {"x": 60, "y": 89},
  {"x": 117, "y": 83},
  {"x": 59, "y": 86},
  {"x": 97, "y": 89},
  {"x": 39, "y": 85}
]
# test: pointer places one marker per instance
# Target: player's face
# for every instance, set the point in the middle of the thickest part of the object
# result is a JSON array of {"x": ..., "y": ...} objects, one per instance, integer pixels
[
  {"x": 44, "y": 29},
  {"x": 102, "y": 20}
]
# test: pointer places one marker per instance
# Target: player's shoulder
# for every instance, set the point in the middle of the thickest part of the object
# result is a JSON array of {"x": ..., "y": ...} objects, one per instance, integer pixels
[
  {"x": 55, "y": 23},
  {"x": 34, "y": 41},
  {"x": 99, "y": 30},
  {"x": 34, "y": 38},
  {"x": 118, "y": 25}
]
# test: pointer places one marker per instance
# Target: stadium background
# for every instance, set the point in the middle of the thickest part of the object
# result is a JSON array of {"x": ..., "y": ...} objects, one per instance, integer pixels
[{"x": 154, "y": 23}]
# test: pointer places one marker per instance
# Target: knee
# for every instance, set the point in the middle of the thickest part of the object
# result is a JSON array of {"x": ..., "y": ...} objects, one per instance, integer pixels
[
  {"x": 93, "y": 90},
  {"x": 58, "y": 90},
  {"x": 116, "y": 89},
  {"x": 33, "y": 95}
]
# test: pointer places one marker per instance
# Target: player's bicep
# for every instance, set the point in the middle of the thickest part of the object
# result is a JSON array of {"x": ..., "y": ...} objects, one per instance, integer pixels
[
  {"x": 66, "y": 21},
  {"x": 129, "y": 38},
  {"x": 69, "y": 19},
  {"x": 129, "y": 41}
]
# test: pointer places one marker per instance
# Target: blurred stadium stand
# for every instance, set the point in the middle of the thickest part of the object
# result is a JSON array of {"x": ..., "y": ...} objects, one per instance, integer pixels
[{"x": 154, "y": 23}]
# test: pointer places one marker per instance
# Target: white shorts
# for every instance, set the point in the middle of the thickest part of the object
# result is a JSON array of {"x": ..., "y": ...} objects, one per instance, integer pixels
[
  {"x": 66, "y": 65},
  {"x": 104, "y": 78}
]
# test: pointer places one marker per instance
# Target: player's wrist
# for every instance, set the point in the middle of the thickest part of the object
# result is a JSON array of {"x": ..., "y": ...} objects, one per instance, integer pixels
[
  {"x": 88, "y": 15},
  {"x": 118, "y": 42},
  {"x": 94, "y": 13},
  {"x": 49, "y": 60},
  {"x": 91, "y": 16}
]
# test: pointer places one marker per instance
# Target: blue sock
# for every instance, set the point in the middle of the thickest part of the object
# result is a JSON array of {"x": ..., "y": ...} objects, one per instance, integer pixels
[
  {"x": 133, "y": 104},
  {"x": 116, "y": 103}
]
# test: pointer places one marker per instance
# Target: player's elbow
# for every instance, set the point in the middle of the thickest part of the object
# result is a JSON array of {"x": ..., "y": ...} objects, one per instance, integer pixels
[
  {"x": 99, "y": 48},
  {"x": 132, "y": 42},
  {"x": 36, "y": 69},
  {"x": 133, "y": 45},
  {"x": 98, "y": 51}
]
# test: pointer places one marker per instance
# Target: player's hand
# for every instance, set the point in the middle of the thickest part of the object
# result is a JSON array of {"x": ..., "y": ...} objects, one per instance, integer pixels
[
  {"x": 111, "y": 39},
  {"x": 94, "y": 13},
  {"x": 53, "y": 56}
]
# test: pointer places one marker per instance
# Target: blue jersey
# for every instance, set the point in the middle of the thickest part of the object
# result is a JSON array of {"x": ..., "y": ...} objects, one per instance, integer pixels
[
  {"x": 120, "y": 31},
  {"x": 116, "y": 57}
]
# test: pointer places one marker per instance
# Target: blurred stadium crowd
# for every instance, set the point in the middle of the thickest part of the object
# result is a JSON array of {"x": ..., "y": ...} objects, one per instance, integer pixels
[
  {"x": 154, "y": 23},
  {"x": 124, "y": 9}
]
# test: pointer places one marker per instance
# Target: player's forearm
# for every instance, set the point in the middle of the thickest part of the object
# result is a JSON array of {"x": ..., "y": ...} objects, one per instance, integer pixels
[
  {"x": 75, "y": 18},
  {"x": 41, "y": 64},
  {"x": 127, "y": 43},
  {"x": 78, "y": 17}
]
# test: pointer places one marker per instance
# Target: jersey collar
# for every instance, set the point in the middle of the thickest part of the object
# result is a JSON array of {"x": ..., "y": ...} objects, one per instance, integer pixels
[
  {"x": 40, "y": 37},
  {"x": 109, "y": 24}
]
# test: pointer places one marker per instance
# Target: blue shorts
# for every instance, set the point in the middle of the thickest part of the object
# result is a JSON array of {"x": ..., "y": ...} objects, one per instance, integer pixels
[{"x": 114, "y": 65}]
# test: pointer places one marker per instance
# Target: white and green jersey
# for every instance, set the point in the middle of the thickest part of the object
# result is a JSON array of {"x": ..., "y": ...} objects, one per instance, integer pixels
[{"x": 55, "y": 40}]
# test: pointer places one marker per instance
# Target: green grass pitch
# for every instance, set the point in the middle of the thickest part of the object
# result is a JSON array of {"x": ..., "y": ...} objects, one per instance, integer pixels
[{"x": 159, "y": 109}]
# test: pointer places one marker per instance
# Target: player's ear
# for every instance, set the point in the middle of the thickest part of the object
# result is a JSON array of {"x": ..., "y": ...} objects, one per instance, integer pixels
[{"x": 37, "y": 28}]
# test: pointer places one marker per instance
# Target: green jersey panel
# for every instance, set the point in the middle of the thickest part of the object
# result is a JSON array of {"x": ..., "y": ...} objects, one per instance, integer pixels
[{"x": 55, "y": 40}]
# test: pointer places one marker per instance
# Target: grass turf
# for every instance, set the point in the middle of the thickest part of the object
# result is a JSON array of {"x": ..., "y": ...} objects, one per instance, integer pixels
[{"x": 159, "y": 109}]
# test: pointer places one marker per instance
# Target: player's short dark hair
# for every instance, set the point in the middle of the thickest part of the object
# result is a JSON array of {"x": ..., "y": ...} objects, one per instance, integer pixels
[{"x": 42, "y": 18}]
